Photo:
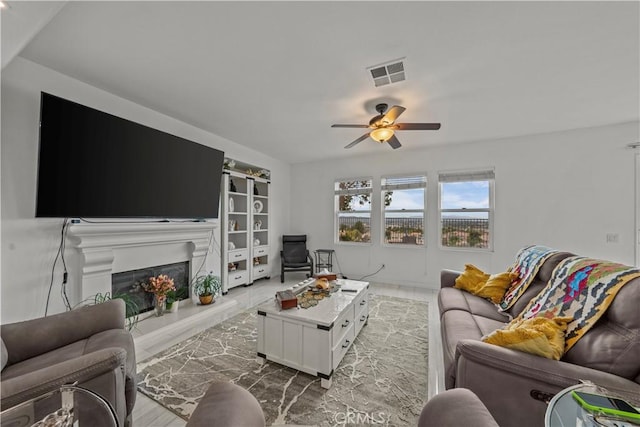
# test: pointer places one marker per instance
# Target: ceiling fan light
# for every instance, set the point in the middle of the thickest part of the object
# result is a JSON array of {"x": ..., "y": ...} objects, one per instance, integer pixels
[{"x": 381, "y": 134}]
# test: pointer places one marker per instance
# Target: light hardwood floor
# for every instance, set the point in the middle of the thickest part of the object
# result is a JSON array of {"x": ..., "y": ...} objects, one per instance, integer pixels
[{"x": 155, "y": 334}]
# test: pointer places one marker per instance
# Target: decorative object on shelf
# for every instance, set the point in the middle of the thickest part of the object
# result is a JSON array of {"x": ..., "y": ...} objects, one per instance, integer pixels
[
  {"x": 257, "y": 206},
  {"x": 256, "y": 242},
  {"x": 255, "y": 190},
  {"x": 264, "y": 173},
  {"x": 229, "y": 163},
  {"x": 232, "y": 186},
  {"x": 207, "y": 287},
  {"x": 257, "y": 225},
  {"x": 232, "y": 225},
  {"x": 232, "y": 266},
  {"x": 256, "y": 261},
  {"x": 159, "y": 286},
  {"x": 231, "y": 204},
  {"x": 232, "y": 246}
]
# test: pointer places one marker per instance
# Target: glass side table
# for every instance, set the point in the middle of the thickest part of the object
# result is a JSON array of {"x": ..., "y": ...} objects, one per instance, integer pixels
[
  {"x": 564, "y": 411},
  {"x": 68, "y": 406}
]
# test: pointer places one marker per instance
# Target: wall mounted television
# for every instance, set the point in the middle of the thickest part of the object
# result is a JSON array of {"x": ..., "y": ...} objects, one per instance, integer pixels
[{"x": 95, "y": 165}]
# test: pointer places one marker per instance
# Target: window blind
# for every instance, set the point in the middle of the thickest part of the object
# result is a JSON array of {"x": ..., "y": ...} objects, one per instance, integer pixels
[
  {"x": 403, "y": 182},
  {"x": 353, "y": 186},
  {"x": 482, "y": 175}
]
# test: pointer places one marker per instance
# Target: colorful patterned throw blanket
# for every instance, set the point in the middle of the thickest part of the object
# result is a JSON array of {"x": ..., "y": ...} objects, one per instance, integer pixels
[
  {"x": 581, "y": 288},
  {"x": 528, "y": 262}
]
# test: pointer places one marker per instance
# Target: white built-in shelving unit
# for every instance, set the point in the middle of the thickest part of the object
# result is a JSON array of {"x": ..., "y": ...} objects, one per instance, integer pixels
[{"x": 244, "y": 226}]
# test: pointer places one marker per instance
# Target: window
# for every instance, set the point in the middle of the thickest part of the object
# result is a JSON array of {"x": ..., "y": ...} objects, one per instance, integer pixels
[
  {"x": 353, "y": 210},
  {"x": 403, "y": 209},
  {"x": 466, "y": 209}
]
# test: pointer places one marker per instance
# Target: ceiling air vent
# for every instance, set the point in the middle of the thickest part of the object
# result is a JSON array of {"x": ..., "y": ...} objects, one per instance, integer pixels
[{"x": 390, "y": 72}]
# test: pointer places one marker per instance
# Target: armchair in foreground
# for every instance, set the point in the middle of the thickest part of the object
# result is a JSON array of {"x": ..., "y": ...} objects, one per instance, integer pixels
[
  {"x": 294, "y": 255},
  {"x": 89, "y": 345}
]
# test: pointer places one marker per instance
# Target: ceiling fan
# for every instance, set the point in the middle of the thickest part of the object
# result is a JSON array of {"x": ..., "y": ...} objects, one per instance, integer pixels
[{"x": 384, "y": 126}]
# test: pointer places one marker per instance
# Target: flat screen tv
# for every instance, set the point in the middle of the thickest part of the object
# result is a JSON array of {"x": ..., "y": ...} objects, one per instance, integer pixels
[{"x": 95, "y": 165}]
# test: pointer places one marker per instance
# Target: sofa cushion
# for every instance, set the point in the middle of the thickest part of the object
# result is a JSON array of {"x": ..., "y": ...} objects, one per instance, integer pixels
[
  {"x": 539, "y": 336},
  {"x": 495, "y": 286},
  {"x": 534, "y": 289},
  {"x": 613, "y": 343},
  {"x": 471, "y": 278},
  {"x": 50, "y": 358},
  {"x": 4, "y": 356},
  {"x": 458, "y": 325},
  {"x": 119, "y": 338},
  {"x": 455, "y": 299}
]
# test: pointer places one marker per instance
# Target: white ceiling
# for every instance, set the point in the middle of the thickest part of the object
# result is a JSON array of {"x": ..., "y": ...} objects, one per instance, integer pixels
[{"x": 274, "y": 76}]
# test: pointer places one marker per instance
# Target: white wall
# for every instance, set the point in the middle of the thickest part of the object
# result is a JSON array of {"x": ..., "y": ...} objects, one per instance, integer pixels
[
  {"x": 565, "y": 190},
  {"x": 28, "y": 244}
]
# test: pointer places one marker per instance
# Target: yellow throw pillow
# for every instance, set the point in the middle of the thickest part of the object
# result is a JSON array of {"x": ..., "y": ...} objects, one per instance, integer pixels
[
  {"x": 496, "y": 286},
  {"x": 471, "y": 279},
  {"x": 538, "y": 335}
]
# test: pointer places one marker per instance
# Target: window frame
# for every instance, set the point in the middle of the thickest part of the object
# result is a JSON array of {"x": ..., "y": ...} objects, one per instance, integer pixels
[
  {"x": 384, "y": 186},
  {"x": 336, "y": 208},
  {"x": 484, "y": 174}
]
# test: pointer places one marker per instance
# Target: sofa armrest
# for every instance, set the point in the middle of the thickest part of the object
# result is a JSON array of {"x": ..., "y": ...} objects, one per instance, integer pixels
[
  {"x": 81, "y": 369},
  {"x": 553, "y": 372},
  {"x": 513, "y": 384},
  {"x": 55, "y": 331},
  {"x": 448, "y": 278}
]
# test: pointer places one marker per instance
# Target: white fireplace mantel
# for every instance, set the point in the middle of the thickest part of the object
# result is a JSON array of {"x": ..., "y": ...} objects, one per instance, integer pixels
[{"x": 107, "y": 248}]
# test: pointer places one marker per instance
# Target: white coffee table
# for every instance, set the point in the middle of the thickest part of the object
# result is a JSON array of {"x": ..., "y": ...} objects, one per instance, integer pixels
[{"x": 314, "y": 340}]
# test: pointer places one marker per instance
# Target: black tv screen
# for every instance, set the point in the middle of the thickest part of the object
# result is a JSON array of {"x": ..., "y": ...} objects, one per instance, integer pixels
[{"x": 95, "y": 165}]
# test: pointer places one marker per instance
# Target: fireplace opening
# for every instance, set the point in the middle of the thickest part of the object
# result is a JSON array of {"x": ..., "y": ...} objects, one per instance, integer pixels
[{"x": 130, "y": 283}]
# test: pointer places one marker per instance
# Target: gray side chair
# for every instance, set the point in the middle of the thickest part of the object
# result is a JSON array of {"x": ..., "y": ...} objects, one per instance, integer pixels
[{"x": 89, "y": 345}]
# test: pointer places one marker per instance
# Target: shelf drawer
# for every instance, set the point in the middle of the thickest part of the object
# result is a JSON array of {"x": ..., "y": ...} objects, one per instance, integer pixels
[
  {"x": 238, "y": 255},
  {"x": 238, "y": 277},
  {"x": 260, "y": 271},
  {"x": 260, "y": 251}
]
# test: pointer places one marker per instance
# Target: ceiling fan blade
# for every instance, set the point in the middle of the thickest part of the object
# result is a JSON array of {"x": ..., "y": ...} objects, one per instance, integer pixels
[
  {"x": 362, "y": 138},
  {"x": 394, "y": 143},
  {"x": 417, "y": 126},
  {"x": 391, "y": 115},
  {"x": 349, "y": 126}
]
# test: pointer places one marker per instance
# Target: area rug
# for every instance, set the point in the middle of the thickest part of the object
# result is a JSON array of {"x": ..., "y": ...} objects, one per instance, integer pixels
[{"x": 382, "y": 379}]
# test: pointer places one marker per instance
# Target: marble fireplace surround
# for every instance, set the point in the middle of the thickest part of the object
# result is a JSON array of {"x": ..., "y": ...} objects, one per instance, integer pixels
[{"x": 106, "y": 248}]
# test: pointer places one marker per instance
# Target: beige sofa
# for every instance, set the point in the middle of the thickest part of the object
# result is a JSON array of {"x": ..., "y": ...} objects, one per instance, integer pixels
[
  {"x": 515, "y": 386},
  {"x": 89, "y": 345}
]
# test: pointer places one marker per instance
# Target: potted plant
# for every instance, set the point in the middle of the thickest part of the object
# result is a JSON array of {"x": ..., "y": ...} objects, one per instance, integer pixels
[
  {"x": 207, "y": 287},
  {"x": 159, "y": 286},
  {"x": 174, "y": 297}
]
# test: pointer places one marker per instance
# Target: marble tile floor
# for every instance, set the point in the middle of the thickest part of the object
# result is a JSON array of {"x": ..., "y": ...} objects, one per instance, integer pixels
[{"x": 155, "y": 334}]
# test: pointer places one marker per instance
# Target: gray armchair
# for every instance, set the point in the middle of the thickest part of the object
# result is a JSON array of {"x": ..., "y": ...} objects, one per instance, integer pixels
[{"x": 89, "y": 345}]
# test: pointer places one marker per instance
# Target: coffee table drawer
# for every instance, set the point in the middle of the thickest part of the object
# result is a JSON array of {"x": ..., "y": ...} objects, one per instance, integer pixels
[
  {"x": 341, "y": 326},
  {"x": 362, "y": 303},
  {"x": 341, "y": 349}
]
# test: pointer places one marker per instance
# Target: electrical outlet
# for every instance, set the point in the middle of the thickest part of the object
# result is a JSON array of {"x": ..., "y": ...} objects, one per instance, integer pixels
[{"x": 613, "y": 237}]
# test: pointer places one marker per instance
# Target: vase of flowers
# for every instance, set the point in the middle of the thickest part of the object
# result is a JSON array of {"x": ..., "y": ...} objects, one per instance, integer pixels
[{"x": 159, "y": 286}]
